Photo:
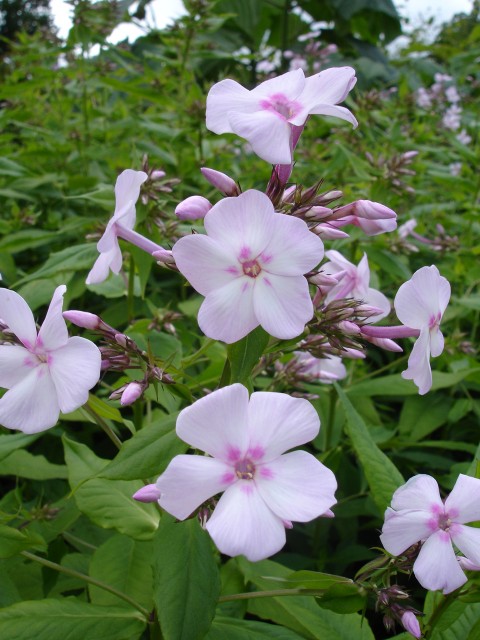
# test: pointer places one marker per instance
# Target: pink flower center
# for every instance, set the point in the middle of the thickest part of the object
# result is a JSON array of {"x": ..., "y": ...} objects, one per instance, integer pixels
[
  {"x": 245, "y": 469},
  {"x": 434, "y": 321},
  {"x": 251, "y": 268},
  {"x": 279, "y": 103}
]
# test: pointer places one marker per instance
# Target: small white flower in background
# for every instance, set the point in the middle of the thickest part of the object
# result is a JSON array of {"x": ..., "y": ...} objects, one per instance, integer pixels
[
  {"x": 46, "y": 373},
  {"x": 463, "y": 137}
]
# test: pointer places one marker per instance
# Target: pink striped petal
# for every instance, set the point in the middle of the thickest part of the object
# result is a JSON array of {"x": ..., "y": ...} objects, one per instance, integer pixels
[
  {"x": 16, "y": 314},
  {"x": 463, "y": 502},
  {"x": 217, "y": 423},
  {"x": 296, "y": 486},
  {"x": 16, "y": 363},
  {"x": 53, "y": 332},
  {"x": 436, "y": 567},
  {"x": 402, "y": 529},
  {"x": 242, "y": 524}
]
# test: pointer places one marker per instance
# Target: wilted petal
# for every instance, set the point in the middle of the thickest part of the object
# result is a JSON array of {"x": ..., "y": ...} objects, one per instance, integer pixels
[
  {"x": 282, "y": 305},
  {"x": 467, "y": 539},
  {"x": 436, "y": 567},
  {"x": 53, "y": 332},
  {"x": 419, "y": 363},
  {"x": 419, "y": 493},
  {"x": 277, "y": 422},
  {"x": 242, "y": 524},
  {"x": 402, "y": 529},
  {"x": 227, "y": 313},
  {"x": 188, "y": 481},
  {"x": 464, "y": 499},
  {"x": 296, "y": 486},
  {"x": 224, "y": 97},
  {"x": 31, "y": 405},
  {"x": 217, "y": 423},
  {"x": 16, "y": 314},
  {"x": 16, "y": 363},
  {"x": 75, "y": 369},
  {"x": 268, "y": 133}
]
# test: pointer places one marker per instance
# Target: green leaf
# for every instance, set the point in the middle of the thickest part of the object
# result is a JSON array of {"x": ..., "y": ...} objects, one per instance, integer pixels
[
  {"x": 125, "y": 564},
  {"x": 394, "y": 385},
  {"x": 187, "y": 581},
  {"x": 59, "y": 619},
  {"x": 245, "y": 354},
  {"x": 9, "y": 443},
  {"x": 382, "y": 475},
  {"x": 315, "y": 580},
  {"x": 74, "y": 258},
  {"x": 147, "y": 453},
  {"x": 422, "y": 415},
  {"x": 12, "y": 541},
  {"x": 104, "y": 410},
  {"x": 458, "y": 621},
  {"x": 343, "y": 598},
  {"x": 107, "y": 503},
  {"x": 233, "y": 629},
  {"x": 25, "y": 465}
]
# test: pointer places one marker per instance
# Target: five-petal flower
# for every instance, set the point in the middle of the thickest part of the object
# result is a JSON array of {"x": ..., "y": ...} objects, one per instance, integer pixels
[
  {"x": 266, "y": 115},
  {"x": 418, "y": 514},
  {"x": 264, "y": 491},
  {"x": 250, "y": 267},
  {"x": 46, "y": 373}
]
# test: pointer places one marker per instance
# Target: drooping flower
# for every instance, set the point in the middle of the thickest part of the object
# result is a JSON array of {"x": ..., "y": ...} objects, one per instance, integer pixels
[
  {"x": 46, "y": 373},
  {"x": 420, "y": 304},
  {"x": 418, "y": 514},
  {"x": 354, "y": 283},
  {"x": 127, "y": 190},
  {"x": 250, "y": 267},
  {"x": 266, "y": 115},
  {"x": 264, "y": 488}
]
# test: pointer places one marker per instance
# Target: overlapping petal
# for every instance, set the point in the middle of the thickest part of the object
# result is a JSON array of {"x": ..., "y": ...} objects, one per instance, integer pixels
[
  {"x": 436, "y": 567},
  {"x": 267, "y": 132},
  {"x": 420, "y": 492},
  {"x": 127, "y": 192},
  {"x": 419, "y": 369},
  {"x": 401, "y": 530},
  {"x": 464, "y": 499},
  {"x": 53, "y": 332},
  {"x": 16, "y": 363},
  {"x": 223, "y": 98},
  {"x": 422, "y": 297},
  {"x": 467, "y": 539},
  {"x": 16, "y": 314},
  {"x": 290, "y": 84}
]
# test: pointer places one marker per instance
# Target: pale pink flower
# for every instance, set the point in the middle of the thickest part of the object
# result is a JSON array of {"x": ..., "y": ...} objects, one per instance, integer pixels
[
  {"x": 264, "y": 491},
  {"x": 463, "y": 137},
  {"x": 250, "y": 267},
  {"x": 127, "y": 190},
  {"x": 326, "y": 370},
  {"x": 266, "y": 115},
  {"x": 418, "y": 514},
  {"x": 354, "y": 283},
  {"x": 420, "y": 304},
  {"x": 46, "y": 373}
]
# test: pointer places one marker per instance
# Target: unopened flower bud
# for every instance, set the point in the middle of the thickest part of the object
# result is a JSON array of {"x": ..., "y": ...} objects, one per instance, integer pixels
[
  {"x": 409, "y": 155},
  {"x": 353, "y": 354},
  {"x": 411, "y": 624},
  {"x": 164, "y": 256},
  {"x": 121, "y": 339},
  {"x": 324, "y": 280},
  {"x": 318, "y": 213},
  {"x": 221, "y": 181},
  {"x": 132, "y": 392},
  {"x": 193, "y": 208},
  {"x": 289, "y": 193},
  {"x": 327, "y": 232},
  {"x": 384, "y": 343},
  {"x": 348, "y": 327},
  {"x": 149, "y": 493},
  {"x": 83, "y": 319},
  {"x": 157, "y": 174}
]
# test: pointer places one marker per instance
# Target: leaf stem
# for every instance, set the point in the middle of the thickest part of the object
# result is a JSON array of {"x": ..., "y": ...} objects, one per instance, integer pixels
[
  {"x": 271, "y": 594},
  {"x": 88, "y": 579},
  {"x": 103, "y": 425}
]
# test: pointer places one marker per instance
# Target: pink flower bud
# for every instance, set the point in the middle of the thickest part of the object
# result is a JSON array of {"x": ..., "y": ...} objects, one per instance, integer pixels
[
  {"x": 325, "y": 280},
  {"x": 121, "y": 339},
  {"x": 149, "y": 493},
  {"x": 409, "y": 155},
  {"x": 164, "y": 256},
  {"x": 348, "y": 327},
  {"x": 384, "y": 343},
  {"x": 411, "y": 624},
  {"x": 157, "y": 174},
  {"x": 353, "y": 354},
  {"x": 132, "y": 392},
  {"x": 193, "y": 208},
  {"x": 289, "y": 193},
  {"x": 373, "y": 211},
  {"x": 327, "y": 232},
  {"x": 221, "y": 181},
  {"x": 83, "y": 319},
  {"x": 318, "y": 213},
  {"x": 328, "y": 514}
]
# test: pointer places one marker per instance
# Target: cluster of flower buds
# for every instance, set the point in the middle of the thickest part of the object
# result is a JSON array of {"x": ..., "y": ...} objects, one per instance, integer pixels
[
  {"x": 119, "y": 352},
  {"x": 395, "y": 169},
  {"x": 155, "y": 183},
  {"x": 442, "y": 242}
]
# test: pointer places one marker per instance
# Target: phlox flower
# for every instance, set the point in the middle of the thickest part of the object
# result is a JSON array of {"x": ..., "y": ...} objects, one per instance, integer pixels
[
  {"x": 325, "y": 370},
  {"x": 264, "y": 488},
  {"x": 266, "y": 115},
  {"x": 420, "y": 304},
  {"x": 418, "y": 514},
  {"x": 48, "y": 372},
  {"x": 354, "y": 283},
  {"x": 127, "y": 191},
  {"x": 250, "y": 267}
]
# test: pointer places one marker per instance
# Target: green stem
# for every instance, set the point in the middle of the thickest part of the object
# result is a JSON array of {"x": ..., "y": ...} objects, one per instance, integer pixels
[
  {"x": 103, "y": 425},
  {"x": 130, "y": 294},
  {"x": 444, "y": 604},
  {"x": 88, "y": 579},
  {"x": 271, "y": 594},
  {"x": 74, "y": 540},
  {"x": 376, "y": 372},
  {"x": 331, "y": 418},
  {"x": 187, "y": 362}
]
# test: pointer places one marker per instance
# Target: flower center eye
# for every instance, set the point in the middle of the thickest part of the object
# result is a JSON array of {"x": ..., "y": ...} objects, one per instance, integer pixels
[
  {"x": 251, "y": 268},
  {"x": 444, "y": 522},
  {"x": 245, "y": 469}
]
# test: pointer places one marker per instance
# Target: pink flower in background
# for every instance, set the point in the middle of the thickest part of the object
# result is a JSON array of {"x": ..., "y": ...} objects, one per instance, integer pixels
[
  {"x": 354, "y": 283},
  {"x": 266, "y": 115},
  {"x": 420, "y": 304},
  {"x": 265, "y": 489},
  {"x": 47, "y": 373},
  {"x": 325, "y": 370},
  {"x": 418, "y": 514},
  {"x": 250, "y": 267},
  {"x": 127, "y": 190}
]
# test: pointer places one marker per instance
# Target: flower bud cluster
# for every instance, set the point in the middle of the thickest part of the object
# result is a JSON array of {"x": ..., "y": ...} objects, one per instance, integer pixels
[{"x": 395, "y": 169}]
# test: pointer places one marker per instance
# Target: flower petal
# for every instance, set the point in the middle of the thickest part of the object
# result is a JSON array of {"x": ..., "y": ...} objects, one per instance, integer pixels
[
  {"x": 463, "y": 503},
  {"x": 419, "y": 493},
  {"x": 217, "y": 423},
  {"x": 290, "y": 85},
  {"x": 467, "y": 539},
  {"x": 188, "y": 481},
  {"x": 227, "y": 313},
  {"x": 296, "y": 486},
  {"x": 127, "y": 191},
  {"x": 437, "y": 567},
  {"x": 437, "y": 342},
  {"x": 75, "y": 369},
  {"x": 422, "y": 297},
  {"x": 205, "y": 263},
  {"x": 377, "y": 299},
  {"x": 111, "y": 259},
  {"x": 419, "y": 363},
  {"x": 16, "y": 314},
  {"x": 404, "y": 528},
  {"x": 224, "y": 97},
  {"x": 242, "y": 524},
  {"x": 267, "y": 131},
  {"x": 31, "y": 405},
  {"x": 330, "y": 110},
  {"x": 16, "y": 363},
  {"x": 277, "y": 422},
  {"x": 330, "y": 86},
  {"x": 53, "y": 332},
  {"x": 282, "y": 304}
]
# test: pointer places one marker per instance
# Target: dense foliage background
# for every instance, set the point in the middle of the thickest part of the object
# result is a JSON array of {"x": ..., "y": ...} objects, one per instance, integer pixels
[{"x": 72, "y": 117}]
